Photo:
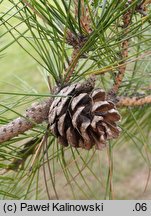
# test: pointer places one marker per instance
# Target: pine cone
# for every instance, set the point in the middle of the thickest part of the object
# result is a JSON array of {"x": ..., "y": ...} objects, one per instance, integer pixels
[{"x": 82, "y": 117}]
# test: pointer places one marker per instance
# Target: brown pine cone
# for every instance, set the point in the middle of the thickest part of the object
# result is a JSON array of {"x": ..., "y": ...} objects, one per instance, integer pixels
[{"x": 82, "y": 117}]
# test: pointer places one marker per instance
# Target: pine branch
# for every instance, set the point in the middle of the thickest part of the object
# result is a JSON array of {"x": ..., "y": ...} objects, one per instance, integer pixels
[
  {"x": 135, "y": 101},
  {"x": 38, "y": 113},
  {"x": 124, "y": 52},
  {"x": 77, "y": 42},
  {"x": 72, "y": 64}
]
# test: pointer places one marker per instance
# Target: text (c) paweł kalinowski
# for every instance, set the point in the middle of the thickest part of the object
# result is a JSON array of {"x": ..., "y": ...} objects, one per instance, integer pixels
[{"x": 61, "y": 207}]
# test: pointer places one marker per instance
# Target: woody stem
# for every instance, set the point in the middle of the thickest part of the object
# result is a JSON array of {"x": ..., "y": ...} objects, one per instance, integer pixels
[
  {"x": 38, "y": 113},
  {"x": 124, "y": 53}
]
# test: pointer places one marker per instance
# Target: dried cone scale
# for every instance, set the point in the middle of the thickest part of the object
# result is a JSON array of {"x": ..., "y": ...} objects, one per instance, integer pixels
[{"x": 81, "y": 116}]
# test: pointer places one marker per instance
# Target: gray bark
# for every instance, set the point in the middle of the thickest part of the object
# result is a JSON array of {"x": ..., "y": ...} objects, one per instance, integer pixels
[
  {"x": 39, "y": 112},
  {"x": 36, "y": 114}
]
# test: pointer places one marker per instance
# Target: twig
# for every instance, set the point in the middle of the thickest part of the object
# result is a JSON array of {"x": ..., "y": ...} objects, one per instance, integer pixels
[
  {"x": 135, "y": 101},
  {"x": 142, "y": 7},
  {"x": 49, "y": 84},
  {"x": 77, "y": 42},
  {"x": 85, "y": 19},
  {"x": 72, "y": 64},
  {"x": 124, "y": 52},
  {"x": 36, "y": 114}
]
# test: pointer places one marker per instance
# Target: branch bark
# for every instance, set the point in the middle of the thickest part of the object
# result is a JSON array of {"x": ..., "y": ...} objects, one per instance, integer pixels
[
  {"x": 36, "y": 114},
  {"x": 78, "y": 41},
  {"x": 124, "y": 52},
  {"x": 39, "y": 112},
  {"x": 135, "y": 101}
]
